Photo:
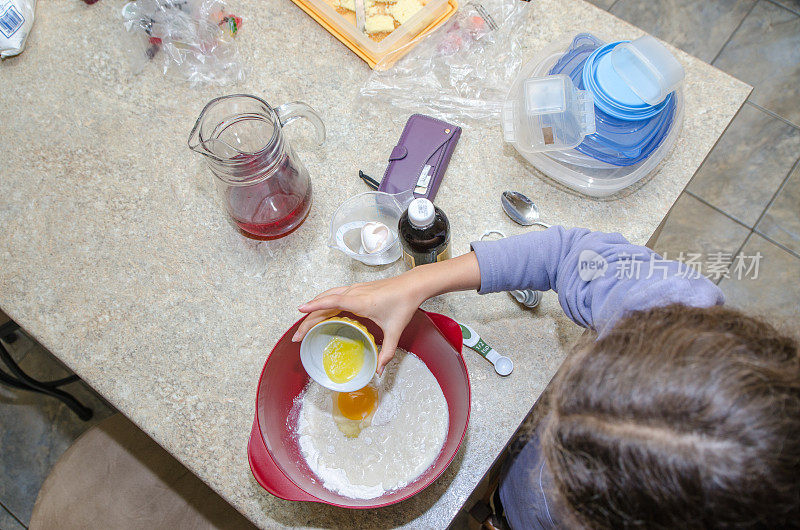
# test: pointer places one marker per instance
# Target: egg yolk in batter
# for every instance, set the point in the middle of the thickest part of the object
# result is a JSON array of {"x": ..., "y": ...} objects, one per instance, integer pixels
[
  {"x": 343, "y": 359},
  {"x": 353, "y": 411},
  {"x": 359, "y": 404}
]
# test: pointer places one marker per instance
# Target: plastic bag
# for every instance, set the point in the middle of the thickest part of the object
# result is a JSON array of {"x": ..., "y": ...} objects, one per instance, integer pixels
[
  {"x": 460, "y": 72},
  {"x": 192, "y": 38},
  {"x": 16, "y": 21}
]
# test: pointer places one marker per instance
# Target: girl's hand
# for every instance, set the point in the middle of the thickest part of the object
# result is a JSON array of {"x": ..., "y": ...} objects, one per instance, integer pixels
[{"x": 390, "y": 303}]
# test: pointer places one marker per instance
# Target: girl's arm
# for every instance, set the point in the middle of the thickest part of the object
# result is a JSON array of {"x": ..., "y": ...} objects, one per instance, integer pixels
[
  {"x": 599, "y": 277},
  {"x": 391, "y": 303}
]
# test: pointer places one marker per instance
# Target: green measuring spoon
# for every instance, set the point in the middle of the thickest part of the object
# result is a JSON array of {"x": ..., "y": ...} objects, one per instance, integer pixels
[{"x": 502, "y": 364}]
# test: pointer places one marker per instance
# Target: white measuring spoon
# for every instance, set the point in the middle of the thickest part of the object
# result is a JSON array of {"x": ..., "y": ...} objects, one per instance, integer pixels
[{"x": 502, "y": 364}]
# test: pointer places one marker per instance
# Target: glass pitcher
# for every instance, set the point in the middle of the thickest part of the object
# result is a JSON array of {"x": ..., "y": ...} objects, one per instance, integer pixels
[{"x": 264, "y": 185}]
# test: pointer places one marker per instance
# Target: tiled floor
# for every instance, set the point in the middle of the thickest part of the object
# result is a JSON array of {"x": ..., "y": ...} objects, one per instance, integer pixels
[
  {"x": 35, "y": 430},
  {"x": 700, "y": 28},
  {"x": 774, "y": 293},
  {"x": 744, "y": 202}
]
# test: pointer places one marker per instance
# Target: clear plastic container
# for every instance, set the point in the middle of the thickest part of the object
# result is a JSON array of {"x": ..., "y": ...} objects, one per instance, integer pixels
[
  {"x": 547, "y": 113},
  {"x": 584, "y": 173},
  {"x": 648, "y": 67},
  {"x": 355, "y": 213},
  {"x": 343, "y": 27}
]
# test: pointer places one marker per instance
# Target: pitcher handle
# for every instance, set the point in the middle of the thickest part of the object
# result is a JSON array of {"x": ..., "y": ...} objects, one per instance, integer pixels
[{"x": 288, "y": 112}]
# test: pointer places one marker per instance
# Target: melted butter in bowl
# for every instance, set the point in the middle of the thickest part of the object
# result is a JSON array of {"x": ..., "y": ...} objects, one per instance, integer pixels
[{"x": 343, "y": 359}]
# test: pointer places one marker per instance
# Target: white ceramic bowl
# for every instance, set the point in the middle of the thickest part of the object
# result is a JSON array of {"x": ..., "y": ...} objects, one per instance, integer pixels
[{"x": 318, "y": 337}]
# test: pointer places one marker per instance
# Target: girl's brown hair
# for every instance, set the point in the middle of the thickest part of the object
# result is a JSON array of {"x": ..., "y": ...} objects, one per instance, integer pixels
[{"x": 679, "y": 417}]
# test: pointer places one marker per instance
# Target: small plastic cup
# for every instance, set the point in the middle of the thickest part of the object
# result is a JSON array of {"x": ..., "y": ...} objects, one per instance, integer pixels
[
  {"x": 318, "y": 337},
  {"x": 354, "y": 213},
  {"x": 648, "y": 67}
]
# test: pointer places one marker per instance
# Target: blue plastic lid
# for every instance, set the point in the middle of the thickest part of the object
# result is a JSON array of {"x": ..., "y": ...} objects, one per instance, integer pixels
[
  {"x": 629, "y": 115},
  {"x": 611, "y": 94},
  {"x": 611, "y": 84}
]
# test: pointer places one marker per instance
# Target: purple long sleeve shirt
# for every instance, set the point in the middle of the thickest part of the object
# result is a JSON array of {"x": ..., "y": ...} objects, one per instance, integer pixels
[
  {"x": 599, "y": 279},
  {"x": 634, "y": 277}
]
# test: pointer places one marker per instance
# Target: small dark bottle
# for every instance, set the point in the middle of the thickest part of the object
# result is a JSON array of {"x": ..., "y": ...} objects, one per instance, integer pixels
[{"x": 424, "y": 233}]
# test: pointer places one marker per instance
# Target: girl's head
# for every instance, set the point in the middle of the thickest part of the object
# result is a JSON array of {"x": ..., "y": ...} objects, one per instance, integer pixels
[{"x": 678, "y": 417}]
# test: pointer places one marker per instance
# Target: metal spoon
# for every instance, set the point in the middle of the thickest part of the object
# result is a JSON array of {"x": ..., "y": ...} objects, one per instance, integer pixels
[{"x": 521, "y": 209}]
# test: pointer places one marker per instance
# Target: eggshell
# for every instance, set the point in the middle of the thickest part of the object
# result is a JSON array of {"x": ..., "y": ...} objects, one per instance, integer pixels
[{"x": 374, "y": 237}]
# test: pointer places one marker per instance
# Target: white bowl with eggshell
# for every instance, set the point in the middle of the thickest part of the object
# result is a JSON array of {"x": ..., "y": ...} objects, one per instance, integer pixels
[
  {"x": 364, "y": 228},
  {"x": 317, "y": 339}
]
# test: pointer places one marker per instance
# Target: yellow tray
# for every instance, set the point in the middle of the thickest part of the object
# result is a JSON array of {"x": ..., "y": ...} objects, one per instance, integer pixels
[{"x": 391, "y": 48}]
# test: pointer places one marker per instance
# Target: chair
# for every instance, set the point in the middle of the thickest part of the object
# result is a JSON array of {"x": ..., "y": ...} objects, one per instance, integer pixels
[
  {"x": 115, "y": 476},
  {"x": 17, "y": 378}
]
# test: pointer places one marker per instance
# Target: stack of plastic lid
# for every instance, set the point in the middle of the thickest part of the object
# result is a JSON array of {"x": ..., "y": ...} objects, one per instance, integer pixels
[
  {"x": 638, "y": 108},
  {"x": 628, "y": 129},
  {"x": 612, "y": 93}
]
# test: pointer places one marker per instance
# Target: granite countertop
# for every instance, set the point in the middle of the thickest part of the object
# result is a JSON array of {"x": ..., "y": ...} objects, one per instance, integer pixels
[{"x": 116, "y": 256}]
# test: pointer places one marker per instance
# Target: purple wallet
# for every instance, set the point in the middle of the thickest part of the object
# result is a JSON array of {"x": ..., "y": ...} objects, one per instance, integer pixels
[{"x": 419, "y": 160}]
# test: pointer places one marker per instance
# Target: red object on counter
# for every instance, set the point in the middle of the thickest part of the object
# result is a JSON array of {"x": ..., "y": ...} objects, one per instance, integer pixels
[
  {"x": 273, "y": 450},
  {"x": 275, "y": 206}
]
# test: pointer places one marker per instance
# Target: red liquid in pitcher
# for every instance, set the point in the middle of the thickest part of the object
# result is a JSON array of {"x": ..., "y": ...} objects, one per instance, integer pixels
[{"x": 273, "y": 207}]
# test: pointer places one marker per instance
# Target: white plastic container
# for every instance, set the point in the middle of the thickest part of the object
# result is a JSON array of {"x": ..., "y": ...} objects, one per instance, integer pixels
[
  {"x": 648, "y": 68},
  {"x": 547, "y": 113},
  {"x": 357, "y": 212}
]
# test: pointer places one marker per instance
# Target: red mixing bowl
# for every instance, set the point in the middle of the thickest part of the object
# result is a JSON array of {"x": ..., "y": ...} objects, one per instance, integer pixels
[{"x": 273, "y": 450}]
